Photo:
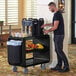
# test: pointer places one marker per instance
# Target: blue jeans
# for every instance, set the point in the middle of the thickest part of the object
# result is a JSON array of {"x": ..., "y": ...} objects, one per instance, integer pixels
[{"x": 58, "y": 42}]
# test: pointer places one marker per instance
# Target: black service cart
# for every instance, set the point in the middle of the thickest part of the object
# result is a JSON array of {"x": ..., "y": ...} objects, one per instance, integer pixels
[{"x": 22, "y": 56}]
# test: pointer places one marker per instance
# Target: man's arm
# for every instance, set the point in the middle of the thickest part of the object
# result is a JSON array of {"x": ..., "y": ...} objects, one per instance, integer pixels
[
  {"x": 55, "y": 26},
  {"x": 46, "y": 25},
  {"x": 56, "y": 23}
]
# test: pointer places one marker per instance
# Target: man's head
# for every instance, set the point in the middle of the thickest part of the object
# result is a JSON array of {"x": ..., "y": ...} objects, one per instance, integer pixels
[{"x": 52, "y": 6}]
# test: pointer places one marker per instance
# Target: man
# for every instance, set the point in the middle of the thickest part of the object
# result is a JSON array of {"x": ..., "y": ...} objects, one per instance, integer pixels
[{"x": 58, "y": 28}]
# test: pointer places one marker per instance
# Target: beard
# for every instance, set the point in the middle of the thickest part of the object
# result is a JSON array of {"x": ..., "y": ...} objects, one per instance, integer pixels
[{"x": 52, "y": 10}]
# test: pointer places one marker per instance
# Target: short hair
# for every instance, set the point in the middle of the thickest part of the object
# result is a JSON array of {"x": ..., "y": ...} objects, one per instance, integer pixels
[{"x": 52, "y": 3}]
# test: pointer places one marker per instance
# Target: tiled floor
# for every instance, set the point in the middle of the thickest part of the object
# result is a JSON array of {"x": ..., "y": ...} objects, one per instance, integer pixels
[{"x": 5, "y": 68}]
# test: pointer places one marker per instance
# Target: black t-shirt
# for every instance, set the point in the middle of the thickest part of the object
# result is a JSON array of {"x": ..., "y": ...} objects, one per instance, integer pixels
[{"x": 60, "y": 30}]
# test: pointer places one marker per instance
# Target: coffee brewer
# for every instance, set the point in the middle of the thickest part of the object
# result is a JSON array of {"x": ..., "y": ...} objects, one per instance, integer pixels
[{"x": 33, "y": 26}]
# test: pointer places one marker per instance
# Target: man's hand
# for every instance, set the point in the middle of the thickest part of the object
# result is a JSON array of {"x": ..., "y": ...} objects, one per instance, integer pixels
[
  {"x": 43, "y": 26},
  {"x": 46, "y": 31}
]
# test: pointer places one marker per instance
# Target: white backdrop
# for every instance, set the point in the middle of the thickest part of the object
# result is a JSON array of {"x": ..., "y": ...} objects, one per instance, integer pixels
[
  {"x": 44, "y": 1},
  {"x": 43, "y": 11}
]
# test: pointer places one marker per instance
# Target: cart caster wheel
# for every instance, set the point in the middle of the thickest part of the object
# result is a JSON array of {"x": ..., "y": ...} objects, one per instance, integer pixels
[
  {"x": 25, "y": 70},
  {"x": 43, "y": 67},
  {"x": 14, "y": 68}
]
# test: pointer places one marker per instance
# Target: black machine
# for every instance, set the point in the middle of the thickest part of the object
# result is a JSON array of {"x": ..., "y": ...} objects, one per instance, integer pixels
[
  {"x": 36, "y": 28},
  {"x": 35, "y": 24}
]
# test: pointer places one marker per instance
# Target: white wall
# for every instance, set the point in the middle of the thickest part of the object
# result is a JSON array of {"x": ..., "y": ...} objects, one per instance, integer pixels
[
  {"x": 69, "y": 20},
  {"x": 43, "y": 11}
]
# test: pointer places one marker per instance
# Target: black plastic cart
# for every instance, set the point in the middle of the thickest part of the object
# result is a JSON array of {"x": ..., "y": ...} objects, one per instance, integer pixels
[{"x": 17, "y": 55}]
